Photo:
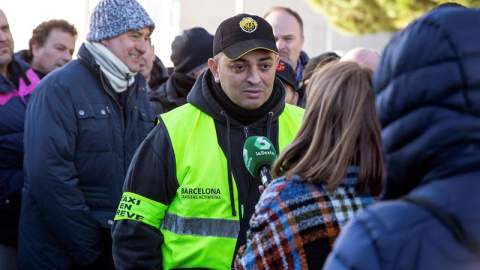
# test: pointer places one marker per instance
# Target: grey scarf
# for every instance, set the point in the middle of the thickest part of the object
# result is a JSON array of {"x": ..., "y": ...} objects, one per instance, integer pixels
[{"x": 115, "y": 70}]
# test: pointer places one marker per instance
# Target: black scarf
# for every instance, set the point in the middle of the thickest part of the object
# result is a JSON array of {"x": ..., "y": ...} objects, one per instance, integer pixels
[{"x": 181, "y": 84}]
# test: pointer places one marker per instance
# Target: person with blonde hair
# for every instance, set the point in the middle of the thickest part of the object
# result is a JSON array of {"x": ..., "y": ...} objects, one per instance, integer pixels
[{"x": 332, "y": 169}]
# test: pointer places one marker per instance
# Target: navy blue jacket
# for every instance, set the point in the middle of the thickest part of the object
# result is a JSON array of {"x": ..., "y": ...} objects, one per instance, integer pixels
[
  {"x": 428, "y": 97},
  {"x": 14, "y": 94},
  {"x": 79, "y": 145},
  {"x": 303, "y": 61}
]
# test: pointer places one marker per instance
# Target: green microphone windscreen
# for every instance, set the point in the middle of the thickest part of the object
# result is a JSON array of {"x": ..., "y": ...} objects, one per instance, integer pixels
[{"x": 258, "y": 151}]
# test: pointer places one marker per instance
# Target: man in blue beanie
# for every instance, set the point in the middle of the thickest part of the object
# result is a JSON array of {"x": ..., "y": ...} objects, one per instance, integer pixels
[{"x": 81, "y": 131}]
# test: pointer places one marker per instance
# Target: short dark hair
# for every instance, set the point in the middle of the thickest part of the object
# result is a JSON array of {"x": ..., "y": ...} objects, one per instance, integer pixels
[
  {"x": 41, "y": 32},
  {"x": 289, "y": 11},
  {"x": 315, "y": 63}
]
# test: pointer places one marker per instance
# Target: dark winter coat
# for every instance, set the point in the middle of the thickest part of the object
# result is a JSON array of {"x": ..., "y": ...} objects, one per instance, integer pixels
[
  {"x": 428, "y": 98},
  {"x": 80, "y": 141},
  {"x": 302, "y": 62},
  {"x": 14, "y": 94}
]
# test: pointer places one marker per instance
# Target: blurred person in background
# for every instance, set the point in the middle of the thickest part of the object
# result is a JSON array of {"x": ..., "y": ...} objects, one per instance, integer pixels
[
  {"x": 287, "y": 76},
  {"x": 288, "y": 30},
  {"x": 190, "y": 53},
  {"x": 332, "y": 169},
  {"x": 152, "y": 68},
  {"x": 82, "y": 127},
  {"x": 314, "y": 65},
  {"x": 51, "y": 46},
  {"x": 17, "y": 81},
  {"x": 363, "y": 56},
  {"x": 427, "y": 87},
  {"x": 146, "y": 64}
]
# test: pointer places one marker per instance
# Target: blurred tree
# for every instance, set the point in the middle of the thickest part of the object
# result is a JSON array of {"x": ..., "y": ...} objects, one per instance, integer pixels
[{"x": 371, "y": 16}]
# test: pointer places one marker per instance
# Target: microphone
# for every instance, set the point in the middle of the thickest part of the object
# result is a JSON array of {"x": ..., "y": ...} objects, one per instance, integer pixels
[{"x": 258, "y": 155}]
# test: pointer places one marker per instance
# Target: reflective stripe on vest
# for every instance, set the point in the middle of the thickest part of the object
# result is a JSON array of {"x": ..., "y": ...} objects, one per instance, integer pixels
[
  {"x": 199, "y": 229},
  {"x": 201, "y": 226}
]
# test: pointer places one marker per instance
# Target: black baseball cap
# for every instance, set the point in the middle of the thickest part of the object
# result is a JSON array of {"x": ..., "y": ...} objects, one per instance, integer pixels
[{"x": 242, "y": 34}]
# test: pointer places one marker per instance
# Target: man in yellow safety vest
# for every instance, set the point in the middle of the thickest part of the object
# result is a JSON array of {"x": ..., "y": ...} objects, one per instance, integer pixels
[{"x": 188, "y": 196}]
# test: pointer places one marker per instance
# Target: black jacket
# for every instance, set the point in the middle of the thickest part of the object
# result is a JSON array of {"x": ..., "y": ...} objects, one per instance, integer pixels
[
  {"x": 79, "y": 144},
  {"x": 152, "y": 174}
]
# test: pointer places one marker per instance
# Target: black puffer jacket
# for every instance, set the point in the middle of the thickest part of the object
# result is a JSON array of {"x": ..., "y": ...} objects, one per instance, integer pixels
[
  {"x": 79, "y": 144},
  {"x": 428, "y": 98}
]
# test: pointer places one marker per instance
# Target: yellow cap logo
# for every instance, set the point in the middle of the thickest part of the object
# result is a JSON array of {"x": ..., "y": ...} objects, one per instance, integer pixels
[{"x": 248, "y": 24}]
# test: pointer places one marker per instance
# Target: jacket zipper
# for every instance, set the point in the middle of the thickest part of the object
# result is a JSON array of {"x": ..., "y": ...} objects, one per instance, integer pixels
[
  {"x": 131, "y": 92},
  {"x": 118, "y": 104},
  {"x": 105, "y": 89},
  {"x": 240, "y": 216}
]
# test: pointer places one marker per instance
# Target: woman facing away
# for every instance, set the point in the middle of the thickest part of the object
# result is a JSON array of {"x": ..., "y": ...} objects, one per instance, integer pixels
[{"x": 332, "y": 169}]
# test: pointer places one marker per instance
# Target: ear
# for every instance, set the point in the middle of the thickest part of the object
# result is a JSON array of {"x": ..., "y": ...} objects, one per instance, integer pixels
[{"x": 213, "y": 66}]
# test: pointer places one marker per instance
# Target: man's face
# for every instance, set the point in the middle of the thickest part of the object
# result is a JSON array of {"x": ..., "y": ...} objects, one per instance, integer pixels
[
  {"x": 247, "y": 81},
  {"x": 55, "y": 52},
  {"x": 6, "y": 44},
  {"x": 146, "y": 64},
  {"x": 288, "y": 35},
  {"x": 129, "y": 47}
]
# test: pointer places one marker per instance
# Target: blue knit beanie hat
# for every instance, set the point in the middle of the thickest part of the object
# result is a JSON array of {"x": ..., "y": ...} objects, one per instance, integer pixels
[{"x": 111, "y": 18}]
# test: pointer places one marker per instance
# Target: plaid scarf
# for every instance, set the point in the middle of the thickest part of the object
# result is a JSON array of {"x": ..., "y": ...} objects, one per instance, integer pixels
[{"x": 296, "y": 223}]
